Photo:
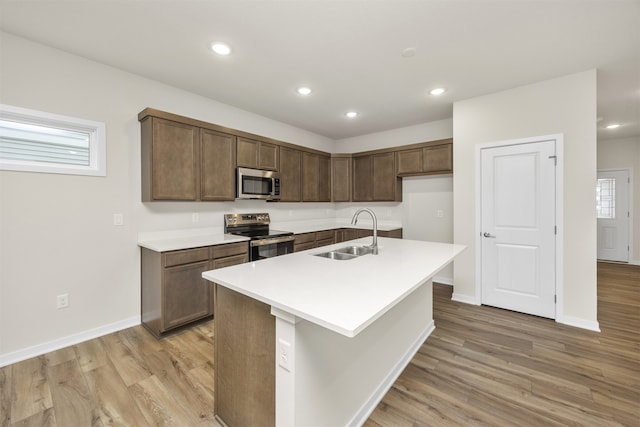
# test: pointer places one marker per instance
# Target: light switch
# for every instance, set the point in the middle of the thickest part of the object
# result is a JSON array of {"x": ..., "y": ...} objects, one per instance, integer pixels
[{"x": 118, "y": 219}]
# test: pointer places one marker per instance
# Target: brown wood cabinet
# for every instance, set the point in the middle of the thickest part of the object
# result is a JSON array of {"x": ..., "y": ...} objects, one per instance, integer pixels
[
  {"x": 244, "y": 391},
  {"x": 435, "y": 158},
  {"x": 174, "y": 293},
  {"x": 341, "y": 179},
  {"x": 290, "y": 174},
  {"x": 257, "y": 154},
  {"x": 185, "y": 162},
  {"x": 170, "y": 160},
  {"x": 375, "y": 178},
  {"x": 190, "y": 160},
  {"x": 304, "y": 241},
  {"x": 316, "y": 181},
  {"x": 217, "y": 160}
]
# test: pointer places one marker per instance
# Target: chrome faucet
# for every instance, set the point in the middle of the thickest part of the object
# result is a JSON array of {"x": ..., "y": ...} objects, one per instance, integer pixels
[{"x": 354, "y": 221}]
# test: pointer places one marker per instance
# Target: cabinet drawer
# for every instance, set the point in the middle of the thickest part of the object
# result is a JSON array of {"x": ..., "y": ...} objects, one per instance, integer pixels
[
  {"x": 186, "y": 256},
  {"x": 230, "y": 249},
  {"x": 304, "y": 246},
  {"x": 323, "y": 235},
  {"x": 305, "y": 238},
  {"x": 325, "y": 242},
  {"x": 230, "y": 260}
]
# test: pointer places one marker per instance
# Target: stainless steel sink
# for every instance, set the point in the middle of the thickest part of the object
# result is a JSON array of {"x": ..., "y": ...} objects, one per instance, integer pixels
[
  {"x": 355, "y": 250},
  {"x": 337, "y": 255},
  {"x": 346, "y": 253}
]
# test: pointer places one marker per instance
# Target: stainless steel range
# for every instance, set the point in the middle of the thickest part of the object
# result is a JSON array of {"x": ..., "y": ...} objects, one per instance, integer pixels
[{"x": 264, "y": 243}]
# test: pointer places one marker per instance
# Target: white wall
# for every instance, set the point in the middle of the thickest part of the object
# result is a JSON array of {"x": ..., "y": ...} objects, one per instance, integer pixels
[
  {"x": 625, "y": 153},
  {"x": 567, "y": 106}
]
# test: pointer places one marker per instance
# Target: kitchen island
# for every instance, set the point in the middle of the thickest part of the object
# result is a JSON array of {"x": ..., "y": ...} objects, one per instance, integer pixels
[{"x": 302, "y": 340}]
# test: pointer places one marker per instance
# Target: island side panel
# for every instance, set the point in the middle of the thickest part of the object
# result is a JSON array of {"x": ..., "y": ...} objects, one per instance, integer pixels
[
  {"x": 244, "y": 360},
  {"x": 339, "y": 380}
]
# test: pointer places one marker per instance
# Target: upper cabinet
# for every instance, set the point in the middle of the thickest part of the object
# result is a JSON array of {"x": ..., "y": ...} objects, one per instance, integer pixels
[
  {"x": 170, "y": 160},
  {"x": 185, "y": 162},
  {"x": 185, "y": 159},
  {"x": 290, "y": 174},
  {"x": 316, "y": 177},
  {"x": 217, "y": 165},
  {"x": 341, "y": 178},
  {"x": 257, "y": 154},
  {"x": 375, "y": 178},
  {"x": 435, "y": 157}
]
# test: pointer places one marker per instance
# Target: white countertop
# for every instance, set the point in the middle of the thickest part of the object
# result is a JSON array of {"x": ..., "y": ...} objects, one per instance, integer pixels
[
  {"x": 188, "y": 241},
  {"x": 343, "y": 296},
  {"x": 173, "y": 240}
]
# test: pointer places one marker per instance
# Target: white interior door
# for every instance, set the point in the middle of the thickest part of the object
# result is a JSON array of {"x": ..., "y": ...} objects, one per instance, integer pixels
[
  {"x": 518, "y": 227},
  {"x": 612, "y": 204}
]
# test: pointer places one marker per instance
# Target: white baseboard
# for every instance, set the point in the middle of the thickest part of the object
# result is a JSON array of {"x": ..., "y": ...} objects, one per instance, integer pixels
[
  {"x": 579, "y": 323},
  {"x": 465, "y": 299},
  {"x": 443, "y": 280},
  {"x": 57, "y": 344},
  {"x": 376, "y": 397}
]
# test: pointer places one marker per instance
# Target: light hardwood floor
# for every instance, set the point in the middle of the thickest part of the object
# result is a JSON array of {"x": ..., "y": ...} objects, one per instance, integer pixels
[{"x": 481, "y": 366}]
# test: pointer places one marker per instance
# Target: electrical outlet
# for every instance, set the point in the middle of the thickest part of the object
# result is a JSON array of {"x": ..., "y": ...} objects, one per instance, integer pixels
[
  {"x": 439, "y": 213},
  {"x": 118, "y": 219},
  {"x": 285, "y": 356},
  {"x": 62, "y": 301}
]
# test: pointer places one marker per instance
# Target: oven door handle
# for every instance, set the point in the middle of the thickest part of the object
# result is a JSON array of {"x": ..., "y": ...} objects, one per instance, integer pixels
[{"x": 271, "y": 241}]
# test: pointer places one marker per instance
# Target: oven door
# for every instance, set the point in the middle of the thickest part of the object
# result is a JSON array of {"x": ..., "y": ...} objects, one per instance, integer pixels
[{"x": 268, "y": 248}]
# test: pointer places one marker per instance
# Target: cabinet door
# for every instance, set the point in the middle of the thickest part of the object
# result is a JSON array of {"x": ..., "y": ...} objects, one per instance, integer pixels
[
  {"x": 218, "y": 159},
  {"x": 341, "y": 179},
  {"x": 324, "y": 178},
  {"x": 247, "y": 153},
  {"x": 290, "y": 174},
  {"x": 310, "y": 176},
  {"x": 268, "y": 156},
  {"x": 409, "y": 161},
  {"x": 438, "y": 158},
  {"x": 384, "y": 177},
  {"x": 362, "y": 179},
  {"x": 186, "y": 295},
  {"x": 175, "y": 160}
]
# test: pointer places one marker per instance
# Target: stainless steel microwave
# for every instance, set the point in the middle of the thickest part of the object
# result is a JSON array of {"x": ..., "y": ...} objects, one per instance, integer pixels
[{"x": 257, "y": 184}]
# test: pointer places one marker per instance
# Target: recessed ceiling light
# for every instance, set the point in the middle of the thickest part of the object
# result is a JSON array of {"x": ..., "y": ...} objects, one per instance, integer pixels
[
  {"x": 303, "y": 90},
  {"x": 351, "y": 114},
  {"x": 613, "y": 126},
  {"x": 220, "y": 48},
  {"x": 438, "y": 91}
]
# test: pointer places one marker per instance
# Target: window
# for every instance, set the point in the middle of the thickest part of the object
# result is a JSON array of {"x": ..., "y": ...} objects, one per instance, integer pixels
[
  {"x": 35, "y": 141},
  {"x": 606, "y": 198}
]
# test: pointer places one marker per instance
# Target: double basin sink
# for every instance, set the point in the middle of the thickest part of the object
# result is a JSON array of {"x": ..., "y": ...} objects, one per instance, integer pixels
[{"x": 346, "y": 253}]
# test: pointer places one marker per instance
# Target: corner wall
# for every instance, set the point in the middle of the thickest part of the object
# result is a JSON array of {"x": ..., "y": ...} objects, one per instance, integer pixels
[{"x": 565, "y": 105}]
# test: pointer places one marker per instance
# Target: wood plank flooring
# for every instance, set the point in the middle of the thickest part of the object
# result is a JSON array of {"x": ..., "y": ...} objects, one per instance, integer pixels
[
  {"x": 481, "y": 366},
  {"x": 487, "y": 366}
]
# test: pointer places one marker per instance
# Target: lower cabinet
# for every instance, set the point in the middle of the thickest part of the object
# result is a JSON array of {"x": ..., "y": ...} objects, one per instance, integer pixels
[
  {"x": 317, "y": 239},
  {"x": 174, "y": 294}
]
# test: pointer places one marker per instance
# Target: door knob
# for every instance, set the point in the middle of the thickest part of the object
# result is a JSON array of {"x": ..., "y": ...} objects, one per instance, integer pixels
[{"x": 485, "y": 234}]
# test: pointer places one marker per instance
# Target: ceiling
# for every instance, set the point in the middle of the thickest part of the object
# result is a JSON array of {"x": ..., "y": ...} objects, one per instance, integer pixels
[{"x": 349, "y": 52}]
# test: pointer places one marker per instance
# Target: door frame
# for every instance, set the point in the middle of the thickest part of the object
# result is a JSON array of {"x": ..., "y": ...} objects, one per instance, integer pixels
[
  {"x": 630, "y": 200},
  {"x": 559, "y": 214}
]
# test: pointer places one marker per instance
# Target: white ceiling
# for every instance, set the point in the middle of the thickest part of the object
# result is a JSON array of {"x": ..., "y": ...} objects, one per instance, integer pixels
[{"x": 349, "y": 52}]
